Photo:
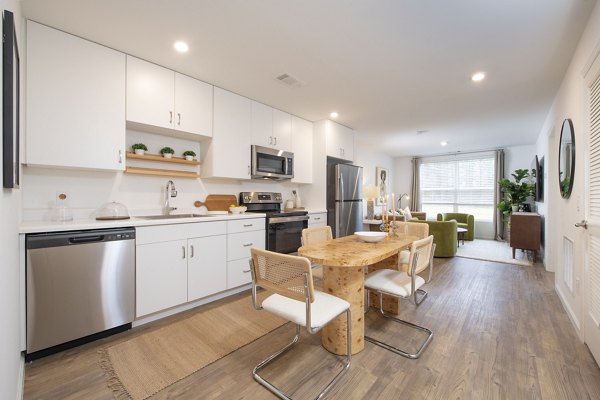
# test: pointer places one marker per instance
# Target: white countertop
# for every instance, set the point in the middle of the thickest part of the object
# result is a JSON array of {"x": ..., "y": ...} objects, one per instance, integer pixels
[{"x": 80, "y": 224}]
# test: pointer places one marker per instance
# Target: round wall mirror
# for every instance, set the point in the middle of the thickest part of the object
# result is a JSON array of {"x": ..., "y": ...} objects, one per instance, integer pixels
[{"x": 566, "y": 158}]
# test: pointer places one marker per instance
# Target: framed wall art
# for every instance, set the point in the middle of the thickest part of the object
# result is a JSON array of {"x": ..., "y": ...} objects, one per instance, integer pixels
[{"x": 382, "y": 181}]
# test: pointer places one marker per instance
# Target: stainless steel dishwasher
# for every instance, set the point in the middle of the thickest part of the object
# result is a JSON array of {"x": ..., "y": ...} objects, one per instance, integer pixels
[{"x": 79, "y": 283}]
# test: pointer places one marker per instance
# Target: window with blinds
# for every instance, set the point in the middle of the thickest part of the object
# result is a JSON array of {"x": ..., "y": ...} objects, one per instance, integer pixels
[{"x": 462, "y": 185}]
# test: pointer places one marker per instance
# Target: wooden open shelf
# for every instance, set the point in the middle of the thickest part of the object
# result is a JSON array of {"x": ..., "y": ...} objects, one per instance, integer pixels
[
  {"x": 161, "y": 172},
  {"x": 160, "y": 158}
]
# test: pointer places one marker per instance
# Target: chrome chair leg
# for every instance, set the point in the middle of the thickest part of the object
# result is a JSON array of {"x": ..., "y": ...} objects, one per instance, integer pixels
[
  {"x": 396, "y": 350},
  {"x": 273, "y": 389},
  {"x": 277, "y": 392},
  {"x": 418, "y": 300}
]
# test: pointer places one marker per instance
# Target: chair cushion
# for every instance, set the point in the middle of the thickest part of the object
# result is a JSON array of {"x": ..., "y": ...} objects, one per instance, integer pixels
[
  {"x": 325, "y": 308},
  {"x": 461, "y": 225},
  {"x": 393, "y": 282}
]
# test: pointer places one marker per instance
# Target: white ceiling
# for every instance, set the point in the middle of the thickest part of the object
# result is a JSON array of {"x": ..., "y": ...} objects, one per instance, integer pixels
[{"x": 389, "y": 67}]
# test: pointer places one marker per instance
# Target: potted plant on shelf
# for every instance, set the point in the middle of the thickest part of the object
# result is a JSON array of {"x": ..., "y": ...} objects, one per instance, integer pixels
[
  {"x": 516, "y": 192},
  {"x": 139, "y": 148},
  {"x": 189, "y": 155},
  {"x": 167, "y": 152}
]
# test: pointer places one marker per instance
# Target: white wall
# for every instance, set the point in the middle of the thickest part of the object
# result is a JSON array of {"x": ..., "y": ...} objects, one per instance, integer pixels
[
  {"x": 369, "y": 160},
  {"x": 518, "y": 157},
  {"x": 10, "y": 355},
  {"x": 570, "y": 102}
]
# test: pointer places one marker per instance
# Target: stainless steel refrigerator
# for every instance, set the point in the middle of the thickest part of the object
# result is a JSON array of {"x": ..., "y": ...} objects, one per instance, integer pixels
[{"x": 344, "y": 198}]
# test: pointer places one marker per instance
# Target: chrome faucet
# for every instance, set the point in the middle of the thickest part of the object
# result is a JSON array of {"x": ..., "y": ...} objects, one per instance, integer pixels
[{"x": 169, "y": 192}]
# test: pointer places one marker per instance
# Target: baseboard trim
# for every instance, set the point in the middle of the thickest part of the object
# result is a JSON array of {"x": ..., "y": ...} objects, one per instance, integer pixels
[
  {"x": 21, "y": 380},
  {"x": 570, "y": 313}
]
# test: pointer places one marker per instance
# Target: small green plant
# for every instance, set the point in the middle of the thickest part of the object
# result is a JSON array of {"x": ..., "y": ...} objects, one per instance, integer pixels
[
  {"x": 139, "y": 146},
  {"x": 189, "y": 153},
  {"x": 167, "y": 150}
]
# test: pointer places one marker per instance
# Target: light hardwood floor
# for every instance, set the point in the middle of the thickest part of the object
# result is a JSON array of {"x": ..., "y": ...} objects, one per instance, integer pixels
[{"x": 500, "y": 332}]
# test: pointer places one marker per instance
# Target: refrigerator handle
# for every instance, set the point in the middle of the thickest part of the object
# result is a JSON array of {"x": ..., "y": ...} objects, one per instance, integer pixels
[{"x": 338, "y": 214}]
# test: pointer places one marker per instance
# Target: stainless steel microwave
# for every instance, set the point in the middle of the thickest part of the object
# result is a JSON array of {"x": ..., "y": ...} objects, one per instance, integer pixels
[{"x": 268, "y": 163}]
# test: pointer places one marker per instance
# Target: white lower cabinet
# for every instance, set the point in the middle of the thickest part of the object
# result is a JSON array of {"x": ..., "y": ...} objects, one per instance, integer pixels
[
  {"x": 179, "y": 263},
  {"x": 207, "y": 272},
  {"x": 317, "y": 219},
  {"x": 242, "y": 235},
  {"x": 161, "y": 276}
]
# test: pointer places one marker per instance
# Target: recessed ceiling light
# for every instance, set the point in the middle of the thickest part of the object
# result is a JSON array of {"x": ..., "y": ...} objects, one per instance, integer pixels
[
  {"x": 443, "y": 143},
  {"x": 477, "y": 77},
  {"x": 334, "y": 114},
  {"x": 181, "y": 47}
]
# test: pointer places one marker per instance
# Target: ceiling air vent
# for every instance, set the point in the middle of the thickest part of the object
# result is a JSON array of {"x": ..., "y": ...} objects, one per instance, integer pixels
[{"x": 289, "y": 80}]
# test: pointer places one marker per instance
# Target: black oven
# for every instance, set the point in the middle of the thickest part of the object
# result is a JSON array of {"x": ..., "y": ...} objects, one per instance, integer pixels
[
  {"x": 283, "y": 228},
  {"x": 284, "y": 233}
]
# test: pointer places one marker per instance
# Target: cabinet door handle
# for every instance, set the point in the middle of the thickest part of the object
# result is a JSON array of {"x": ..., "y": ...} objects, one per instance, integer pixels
[
  {"x": 248, "y": 170},
  {"x": 183, "y": 249},
  {"x": 248, "y": 225},
  {"x": 179, "y": 119},
  {"x": 317, "y": 218},
  {"x": 270, "y": 139},
  {"x": 246, "y": 271},
  {"x": 275, "y": 140},
  {"x": 247, "y": 244},
  {"x": 120, "y": 156},
  {"x": 191, "y": 251},
  {"x": 170, "y": 117}
]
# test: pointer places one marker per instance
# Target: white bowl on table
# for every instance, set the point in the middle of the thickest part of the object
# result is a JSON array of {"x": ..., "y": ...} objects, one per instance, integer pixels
[
  {"x": 371, "y": 237},
  {"x": 238, "y": 209}
]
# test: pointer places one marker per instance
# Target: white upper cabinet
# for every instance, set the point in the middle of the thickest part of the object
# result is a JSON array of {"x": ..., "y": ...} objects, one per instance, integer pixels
[
  {"x": 75, "y": 102},
  {"x": 339, "y": 141},
  {"x": 228, "y": 154},
  {"x": 193, "y": 105},
  {"x": 160, "y": 98},
  {"x": 262, "y": 124},
  {"x": 271, "y": 127},
  {"x": 302, "y": 142},
  {"x": 282, "y": 130}
]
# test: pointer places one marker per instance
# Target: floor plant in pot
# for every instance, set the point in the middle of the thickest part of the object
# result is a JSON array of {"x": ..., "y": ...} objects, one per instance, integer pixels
[{"x": 516, "y": 192}]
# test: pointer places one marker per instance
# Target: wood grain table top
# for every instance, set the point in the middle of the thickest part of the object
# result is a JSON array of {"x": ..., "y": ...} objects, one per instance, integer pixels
[{"x": 349, "y": 251}]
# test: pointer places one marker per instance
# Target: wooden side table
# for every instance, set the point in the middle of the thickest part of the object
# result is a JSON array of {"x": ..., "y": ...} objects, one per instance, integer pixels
[
  {"x": 460, "y": 235},
  {"x": 525, "y": 232}
]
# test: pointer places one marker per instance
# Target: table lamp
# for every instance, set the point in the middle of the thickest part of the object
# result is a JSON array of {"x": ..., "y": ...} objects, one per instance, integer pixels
[
  {"x": 371, "y": 192},
  {"x": 400, "y": 199}
]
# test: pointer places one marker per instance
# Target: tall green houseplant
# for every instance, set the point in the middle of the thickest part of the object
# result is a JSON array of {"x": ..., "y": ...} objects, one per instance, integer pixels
[{"x": 516, "y": 192}]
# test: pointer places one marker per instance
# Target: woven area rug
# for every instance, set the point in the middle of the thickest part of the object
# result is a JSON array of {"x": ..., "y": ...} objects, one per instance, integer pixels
[
  {"x": 492, "y": 250},
  {"x": 148, "y": 363}
]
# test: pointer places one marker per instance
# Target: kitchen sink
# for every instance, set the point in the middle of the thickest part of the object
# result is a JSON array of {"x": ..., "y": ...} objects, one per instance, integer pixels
[{"x": 175, "y": 216}]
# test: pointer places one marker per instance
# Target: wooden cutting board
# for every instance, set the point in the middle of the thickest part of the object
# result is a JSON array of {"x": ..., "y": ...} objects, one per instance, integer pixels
[{"x": 217, "y": 202}]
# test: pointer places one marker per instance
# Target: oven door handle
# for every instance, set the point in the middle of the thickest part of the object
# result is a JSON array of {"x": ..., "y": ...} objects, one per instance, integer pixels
[{"x": 279, "y": 220}]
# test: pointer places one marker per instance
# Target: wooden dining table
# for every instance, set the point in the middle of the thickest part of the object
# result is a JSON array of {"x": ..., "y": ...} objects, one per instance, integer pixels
[{"x": 344, "y": 262}]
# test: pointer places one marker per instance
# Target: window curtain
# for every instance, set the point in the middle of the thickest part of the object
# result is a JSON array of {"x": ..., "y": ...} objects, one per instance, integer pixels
[
  {"x": 415, "y": 201},
  {"x": 498, "y": 221}
]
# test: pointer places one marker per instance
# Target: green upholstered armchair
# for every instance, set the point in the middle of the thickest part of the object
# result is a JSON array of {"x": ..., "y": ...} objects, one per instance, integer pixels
[
  {"x": 466, "y": 221},
  {"x": 444, "y": 236}
]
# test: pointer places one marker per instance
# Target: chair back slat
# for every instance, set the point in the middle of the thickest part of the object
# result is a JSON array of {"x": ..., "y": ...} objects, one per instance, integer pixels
[
  {"x": 417, "y": 229},
  {"x": 422, "y": 248},
  {"x": 316, "y": 235},
  {"x": 282, "y": 273}
]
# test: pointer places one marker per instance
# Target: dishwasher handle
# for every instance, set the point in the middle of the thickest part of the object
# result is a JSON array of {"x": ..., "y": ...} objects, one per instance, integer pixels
[{"x": 86, "y": 239}]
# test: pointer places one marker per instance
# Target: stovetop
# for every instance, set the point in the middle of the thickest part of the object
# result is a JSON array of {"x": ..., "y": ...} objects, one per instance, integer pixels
[{"x": 267, "y": 203}]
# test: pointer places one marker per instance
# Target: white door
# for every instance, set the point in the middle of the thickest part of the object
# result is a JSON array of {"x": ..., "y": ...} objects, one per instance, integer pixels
[
  {"x": 207, "y": 266},
  {"x": 591, "y": 302},
  {"x": 282, "y": 130},
  {"x": 302, "y": 142},
  {"x": 262, "y": 124}
]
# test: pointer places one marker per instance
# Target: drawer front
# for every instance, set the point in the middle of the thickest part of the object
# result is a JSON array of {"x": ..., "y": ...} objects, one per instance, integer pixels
[
  {"x": 318, "y": 219},
  {"x": 245, "y": 225},
  {"x": 165, "y": 233},
  {"x": 239, "y": 244},
  {"x": 238, "y": 273}
]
